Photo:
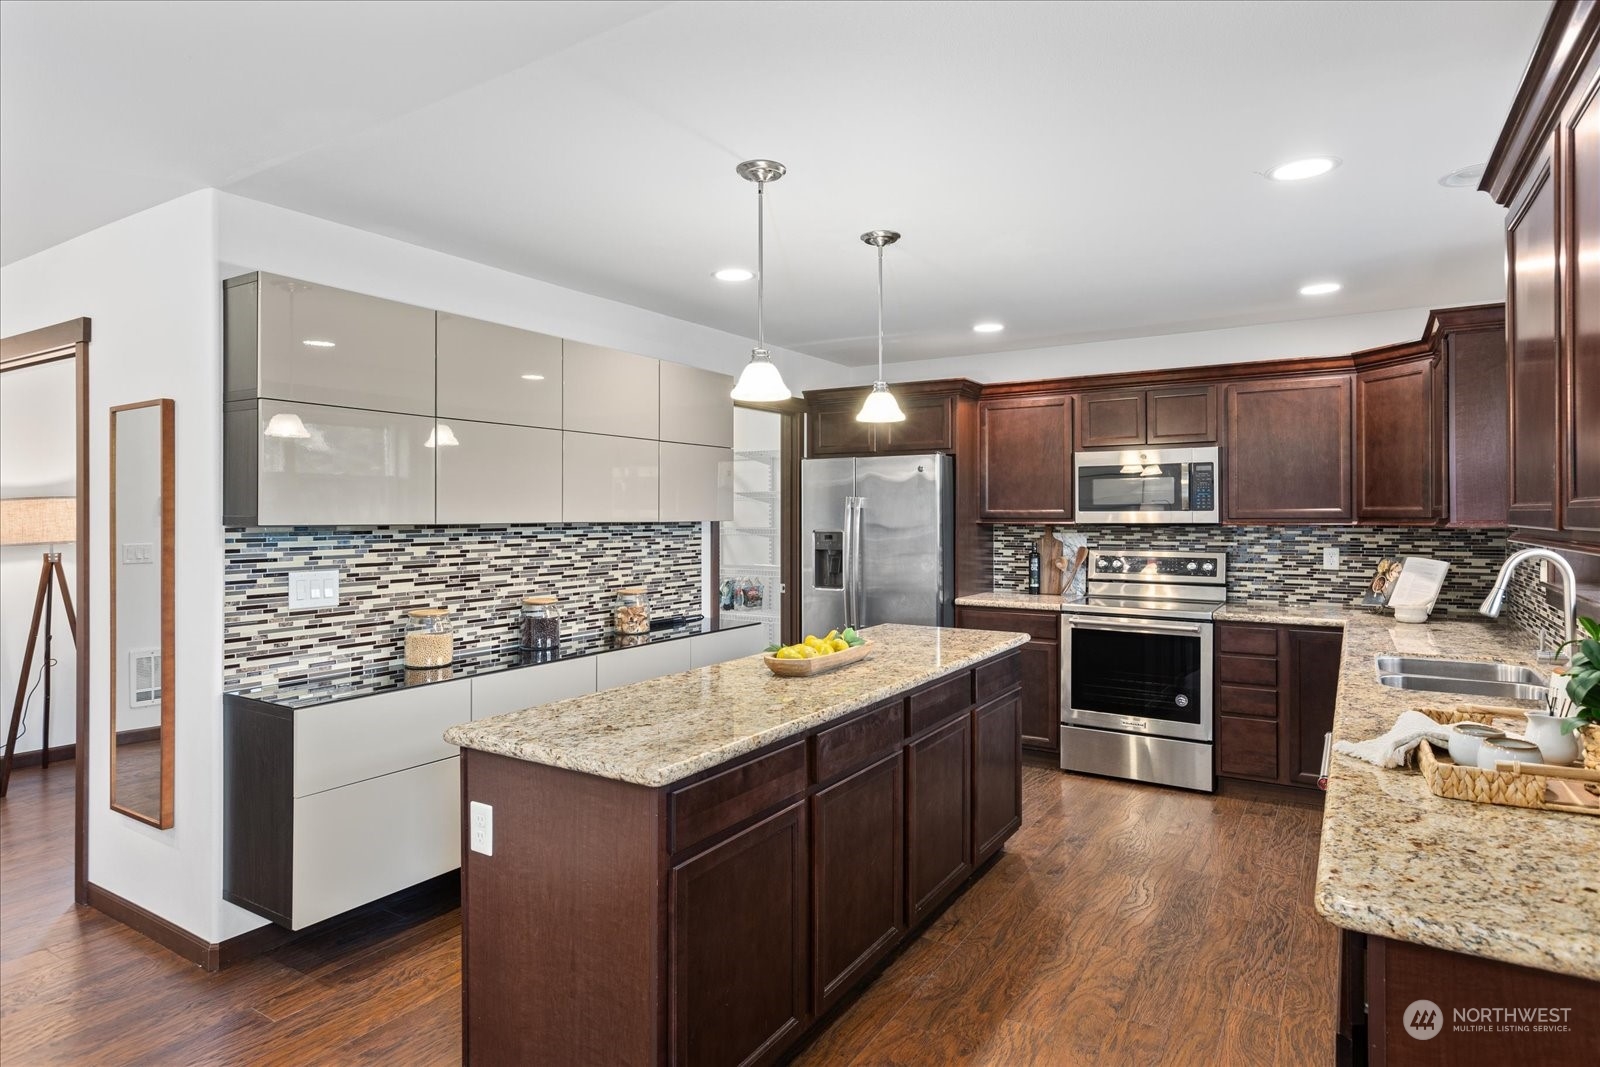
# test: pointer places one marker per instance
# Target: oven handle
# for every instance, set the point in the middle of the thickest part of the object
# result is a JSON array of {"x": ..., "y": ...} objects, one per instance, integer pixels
[{"x": 1143, "y": 626}]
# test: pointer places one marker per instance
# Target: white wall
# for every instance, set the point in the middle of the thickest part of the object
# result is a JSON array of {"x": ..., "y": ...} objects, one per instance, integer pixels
[{"x": 38, "y": 453}]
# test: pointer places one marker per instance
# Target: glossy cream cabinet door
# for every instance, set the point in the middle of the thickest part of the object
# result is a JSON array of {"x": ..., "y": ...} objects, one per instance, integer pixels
[
  {"x": 725, "y": 645},
  {"x": 322, "y": 345},
  {"x": 498, "y": 473},
  {"x": 610, "y": 392},
  {"x": 609, "y": 479},
  {"x": 695, "y": 406},
  {"x": 350, "y": 741},
  {"x": 351, "y": 467},
  {"x": 629, "y": 665},
  {"x": 505, "y": 691},
  {"x": 696, "y": 483},
  {"x": 493, "y": 373}
]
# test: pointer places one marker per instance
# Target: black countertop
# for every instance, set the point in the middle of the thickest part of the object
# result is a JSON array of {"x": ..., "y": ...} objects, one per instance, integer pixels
[{"x": 328, "y": 688}]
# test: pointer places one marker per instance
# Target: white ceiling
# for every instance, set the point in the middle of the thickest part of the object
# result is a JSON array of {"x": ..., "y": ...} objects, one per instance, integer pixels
[{"x": 1077, "y": 171}]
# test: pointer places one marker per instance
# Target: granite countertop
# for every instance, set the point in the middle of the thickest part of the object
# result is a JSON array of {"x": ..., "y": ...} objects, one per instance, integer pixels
[
  {"x": 1003, "y": 598},
  {"x": 656, "y": 732},
  {"x": 306, "y": 692}
]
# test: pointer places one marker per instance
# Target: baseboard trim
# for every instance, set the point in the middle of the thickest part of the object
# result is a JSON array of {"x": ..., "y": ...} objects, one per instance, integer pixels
[
  {"x": 138, "y": 736},
  {"x": 58, "y": 754},
  {"x": 168, "y": 935}
]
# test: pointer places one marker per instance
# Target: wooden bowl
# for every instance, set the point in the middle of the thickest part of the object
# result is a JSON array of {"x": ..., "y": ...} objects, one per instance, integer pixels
[{"x": 805, "y": 668}]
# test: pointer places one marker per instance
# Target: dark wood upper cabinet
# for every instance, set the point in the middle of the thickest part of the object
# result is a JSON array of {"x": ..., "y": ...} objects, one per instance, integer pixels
[
  {"x": 1025, "y": 459},
  {"x": 1581, "y": 484},
  {"x": 1478, "y": 423},
  {"x": 1533, "y": 317},
  {"x": 933, "y": 413},
  {"x": 1398, "y": 443},
  {"x": 1169, "y": 415},
  {"x": 929, "y": 427},
  {"x": 832, "y": 430},
  {"x": 1289, "y": 450}
]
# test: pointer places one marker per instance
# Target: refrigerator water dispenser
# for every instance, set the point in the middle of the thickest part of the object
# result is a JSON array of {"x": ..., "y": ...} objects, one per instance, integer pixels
[{"x": 829, "y": 556}]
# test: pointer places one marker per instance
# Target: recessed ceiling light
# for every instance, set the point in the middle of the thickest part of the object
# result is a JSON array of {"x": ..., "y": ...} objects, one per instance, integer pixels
[
  {"x": 1300, "y": 169},
  {"x": 318, "y": 344},
  {"x": 533, "y": 377},
  {"x": 1463, "y": 177},
  {"x": 1320, "y": 288},
  {"x": 733, "y": 274},
  {"x": 988, "y": 327}
]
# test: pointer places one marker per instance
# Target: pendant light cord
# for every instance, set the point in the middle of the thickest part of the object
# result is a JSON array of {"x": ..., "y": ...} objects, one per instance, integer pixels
[
  {"x": 880, "y": 313},
  {"x": 761, "y": 265}
]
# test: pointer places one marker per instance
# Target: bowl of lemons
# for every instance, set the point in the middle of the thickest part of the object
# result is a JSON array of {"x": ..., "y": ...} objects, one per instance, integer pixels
[{"x": 816, "y": 654}]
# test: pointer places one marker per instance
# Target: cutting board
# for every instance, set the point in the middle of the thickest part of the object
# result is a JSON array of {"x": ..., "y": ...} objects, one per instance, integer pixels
[{"x": 1052, "y": 567}]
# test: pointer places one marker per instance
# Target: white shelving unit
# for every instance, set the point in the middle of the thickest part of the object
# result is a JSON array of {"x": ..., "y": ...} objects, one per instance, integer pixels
[{"x": 752, "y": 564}]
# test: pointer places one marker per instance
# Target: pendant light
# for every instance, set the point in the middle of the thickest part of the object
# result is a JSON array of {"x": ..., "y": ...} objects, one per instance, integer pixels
[
  {"x": 760, "y": 380},
  {"x": 880, "y": 405}
]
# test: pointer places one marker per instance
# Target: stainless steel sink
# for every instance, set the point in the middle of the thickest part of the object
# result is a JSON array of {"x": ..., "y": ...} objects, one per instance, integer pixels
[{"x": 1505, "y": 680}]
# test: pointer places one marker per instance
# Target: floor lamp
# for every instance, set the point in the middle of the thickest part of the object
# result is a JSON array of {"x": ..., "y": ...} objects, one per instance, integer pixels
[{"x": 51, "y": 521}]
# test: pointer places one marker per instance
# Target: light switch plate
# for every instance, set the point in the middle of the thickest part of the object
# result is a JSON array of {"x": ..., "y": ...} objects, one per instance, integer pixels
[
  {"x": 482, "y": 830},
  {"x": 313, "y": 589},
  {"x": 134, "y": 552}
]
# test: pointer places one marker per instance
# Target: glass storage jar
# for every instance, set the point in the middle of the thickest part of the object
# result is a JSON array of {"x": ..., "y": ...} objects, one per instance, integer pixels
[
  {"x": 430, "y": 639},
  {"x": 631, "y": 613},
  {"x": 541, "y": 623}
]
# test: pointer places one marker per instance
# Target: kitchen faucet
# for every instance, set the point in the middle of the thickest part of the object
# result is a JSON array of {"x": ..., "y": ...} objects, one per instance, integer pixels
[{"x": 1497, "y": 595}]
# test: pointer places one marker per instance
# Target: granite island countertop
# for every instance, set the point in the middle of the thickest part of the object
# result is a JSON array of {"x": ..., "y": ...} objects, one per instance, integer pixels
[{"x": 656, "y": 732}]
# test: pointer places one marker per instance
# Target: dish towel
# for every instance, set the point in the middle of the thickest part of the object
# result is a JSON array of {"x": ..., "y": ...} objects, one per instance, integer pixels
[{"x": 1394, "y": 747}]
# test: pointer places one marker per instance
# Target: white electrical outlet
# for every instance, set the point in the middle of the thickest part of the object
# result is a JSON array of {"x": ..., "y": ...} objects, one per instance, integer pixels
[
  {"x": 313, "y": 589},
  {"x": 482, "y": 819},
  {"x": 1330, "y": 558}
]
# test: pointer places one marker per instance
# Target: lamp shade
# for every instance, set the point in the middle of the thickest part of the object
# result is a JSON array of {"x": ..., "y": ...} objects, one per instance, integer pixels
[
  {"x": 760, "y": 382},
  {"x": 880, "y": 406},
  {"x": 38, "y": 520}
]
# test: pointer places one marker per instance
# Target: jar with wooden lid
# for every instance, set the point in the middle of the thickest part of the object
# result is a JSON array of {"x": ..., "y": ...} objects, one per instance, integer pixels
[
  {"x": 541, "y": 623},
  {"x": 631, "y": 613},
  {"x": 430, "y": 639}
]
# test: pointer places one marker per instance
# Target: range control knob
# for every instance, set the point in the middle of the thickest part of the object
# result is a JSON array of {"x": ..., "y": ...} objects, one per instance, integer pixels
[
  {"x": 1208, "y": 566},
  {"x": 1102, "y": 564},
  {"x": 1192, "y": 566},
  {"x": 1117, "y": 564}
]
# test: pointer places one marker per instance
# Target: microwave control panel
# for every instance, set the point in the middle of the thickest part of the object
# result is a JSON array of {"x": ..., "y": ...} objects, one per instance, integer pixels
[{"x": 1202, "y": 487}]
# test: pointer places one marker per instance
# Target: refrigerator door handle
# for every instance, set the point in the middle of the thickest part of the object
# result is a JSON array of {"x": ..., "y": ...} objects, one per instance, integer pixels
[{"x": 852, "y": 560}]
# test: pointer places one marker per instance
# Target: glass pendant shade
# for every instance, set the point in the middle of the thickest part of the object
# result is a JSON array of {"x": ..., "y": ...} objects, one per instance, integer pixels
[
  {"x": 286, "y": 424},
  {"x": 881, "y": 406},
  {"x": 760, "y": 382}
]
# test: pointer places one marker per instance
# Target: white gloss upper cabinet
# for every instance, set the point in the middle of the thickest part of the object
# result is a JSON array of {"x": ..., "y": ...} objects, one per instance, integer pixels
[
  {"x": 494, "y": 373},
  {"x": 695, "y": 406},
  {"x": 321, "y": 345},
  {"x": 696, "y": 483},
  {"x": 489, "y": 472},
  {"x": 610, "y": 392},
  {"x": 609, "y": 479},
  {"x": 328, "y": 466}
]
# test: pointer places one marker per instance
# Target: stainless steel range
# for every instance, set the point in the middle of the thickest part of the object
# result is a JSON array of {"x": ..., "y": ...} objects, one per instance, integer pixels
[{"x": 1136, "y": 667}]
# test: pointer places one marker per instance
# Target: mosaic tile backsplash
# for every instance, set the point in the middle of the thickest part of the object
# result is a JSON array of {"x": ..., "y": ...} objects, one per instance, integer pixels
[{"x": 482, "y": 572}]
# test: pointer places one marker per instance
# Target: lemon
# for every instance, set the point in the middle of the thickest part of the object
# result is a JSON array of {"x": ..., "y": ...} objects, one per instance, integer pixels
[
  {"x": 786, "y": 653},
  {"x": 807, "y": 652},
  {"x": 839, "y": 644},
  {"x": 831, "y": 635},
  {"x": 812, "y": 641}
]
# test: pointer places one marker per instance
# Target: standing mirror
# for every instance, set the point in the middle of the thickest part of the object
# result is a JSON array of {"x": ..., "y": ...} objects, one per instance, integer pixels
[{"x": 142, "y": 698}]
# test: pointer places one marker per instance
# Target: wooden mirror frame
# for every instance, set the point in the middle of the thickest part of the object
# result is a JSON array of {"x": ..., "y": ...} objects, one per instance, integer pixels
[{"x": 163, "y": 819}]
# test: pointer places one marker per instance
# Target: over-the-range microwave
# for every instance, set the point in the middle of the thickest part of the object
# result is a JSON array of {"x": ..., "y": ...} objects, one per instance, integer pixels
[{"x": 1176, "y": 485}]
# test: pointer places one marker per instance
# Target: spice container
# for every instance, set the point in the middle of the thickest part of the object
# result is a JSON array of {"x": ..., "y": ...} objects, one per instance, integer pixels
[
  {"x": 430, "y": 640},
  {"x": 541, "y": 623},
  {"x": 631, "y": 613}
]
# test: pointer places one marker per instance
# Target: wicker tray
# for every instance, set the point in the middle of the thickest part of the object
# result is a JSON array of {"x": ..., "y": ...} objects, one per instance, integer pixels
[
  {"x": 1521, "y": 789},
  {"x": 805, "y": 668}
]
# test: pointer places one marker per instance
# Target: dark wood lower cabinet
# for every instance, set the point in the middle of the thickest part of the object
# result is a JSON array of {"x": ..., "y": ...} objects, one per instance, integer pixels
[
  {"x": 858, "y": 900},
  {"x": 938, "y": 815},
  {"x": 996, "y": 775},
  {"x": 737, "y": 948},
  {"x": 1041, "y": 668},
  {"x": 1276, "y": 688},
  {"x": 1309, "y": 692}
]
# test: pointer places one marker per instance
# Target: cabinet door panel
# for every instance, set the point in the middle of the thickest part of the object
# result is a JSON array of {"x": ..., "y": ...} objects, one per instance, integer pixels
[
  {"x": 737, "y": 945},
  {"x": 1532, "y": 324},
  {"x": 938, "y": 816},
  {"x": 352, "y": 468},
  {"x": 696, "y": 483},
  {"x": 628, "y": 665},
  {"x": 352, "y": 740},
  {"x": 494, "y": 373},
  {"x": 695, "y": 406},
  {"x": 1582, "y": 505},
  {"x": 1313, "y": 657},
  {"x": 1181, "y": 415},
  {"x": 1041, "y": 695},
  {"x": 610, "y": 392},
  {"x": 996, "y": 775},
  {"x": 497, "y": 694},
  {"x": 1111, "y": 418},
  {"x": 609, "y": 479},
  {"x": 832, "y": 430},
  {"x": 1479, "y": 427},
  {"x": 322, "y": 345},
  {"x": 858, "y": 877},
  {"x": 929, "y": 426},
  {"x": 1025, "y": 459},
  {"x": 1247, "y": 748},
  {"x": 720, "y": 647},
  {"x": 1289, "y": 450},
  {"x": 1396, "y": 443},
  {"x": 498, "y": 473}
]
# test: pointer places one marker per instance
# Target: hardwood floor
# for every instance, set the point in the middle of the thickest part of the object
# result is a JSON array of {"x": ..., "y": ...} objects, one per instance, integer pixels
[{"x": 1124, "y": 924}]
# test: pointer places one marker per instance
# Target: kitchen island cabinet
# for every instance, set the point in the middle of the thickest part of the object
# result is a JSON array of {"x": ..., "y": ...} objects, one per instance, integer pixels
[
  {"x": 692, "y": 870},
  {"x": 1039, "y": 708}
]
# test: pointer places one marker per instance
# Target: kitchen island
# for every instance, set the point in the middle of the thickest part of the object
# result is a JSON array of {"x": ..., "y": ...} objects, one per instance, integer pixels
[{"x": 697, "y": 868}]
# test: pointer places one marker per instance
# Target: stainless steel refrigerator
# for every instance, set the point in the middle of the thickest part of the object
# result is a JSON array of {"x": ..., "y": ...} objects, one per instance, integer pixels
[{"x": 877, "y": 542}]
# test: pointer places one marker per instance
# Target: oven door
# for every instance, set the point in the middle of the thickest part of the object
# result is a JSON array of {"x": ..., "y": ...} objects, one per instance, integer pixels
[{"x": 1134, "y": 675}]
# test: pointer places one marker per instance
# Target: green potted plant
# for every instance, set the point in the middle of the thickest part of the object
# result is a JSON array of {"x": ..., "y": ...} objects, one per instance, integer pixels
[{"x": 1583, "y": 675}]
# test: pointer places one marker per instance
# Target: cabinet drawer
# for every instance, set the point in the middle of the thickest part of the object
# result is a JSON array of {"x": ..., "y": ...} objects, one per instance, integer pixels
[
  {"x": 856, "y": 742},
  {"x": 1248, "y": 640},
  {"x": 1039, "y": 625},
  {"x": 1249, "y": 670},
  {"x": 995, "y": 677},
  {"x": 1247, "y": 747},
  {"x": 497, "y": 694},
  {"x": 353, "y": 740},
  {"x": 1240, "y": 700},
  {"x": 355, "y": 844},
  {"x": 705, "y": 809},
  {"x": 629, "y": 665},
  {"x": 939, "y": 701}
]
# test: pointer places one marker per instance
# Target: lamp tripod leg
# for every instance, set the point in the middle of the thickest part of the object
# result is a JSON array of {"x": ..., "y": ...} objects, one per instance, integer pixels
[{"x": 22, "y": 678}]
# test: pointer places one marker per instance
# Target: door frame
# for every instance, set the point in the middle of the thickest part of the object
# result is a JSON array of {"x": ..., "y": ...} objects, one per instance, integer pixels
[
  {"x": 792, "y": 449},
  {"x": 70, "y": 340}
]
